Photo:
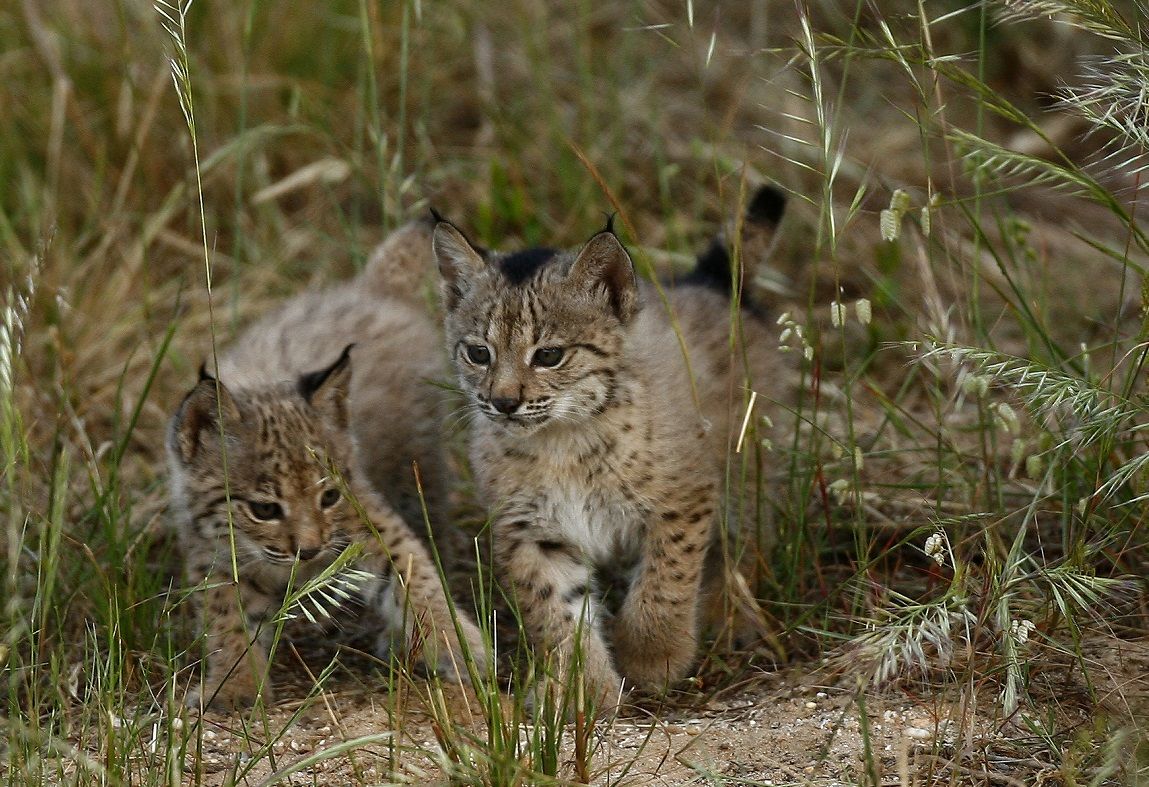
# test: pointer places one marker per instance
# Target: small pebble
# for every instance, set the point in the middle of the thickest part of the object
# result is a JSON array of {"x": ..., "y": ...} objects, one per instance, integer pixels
[
  {"x": 917, "y": 732},
  {"x": 811, "y": 705}
]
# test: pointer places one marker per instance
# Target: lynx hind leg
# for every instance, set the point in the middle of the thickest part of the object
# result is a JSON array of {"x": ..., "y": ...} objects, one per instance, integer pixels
[
  {"x": 418, "y": 615},
  {"x": 729, "y": 608},
  {"x": 388, "y": 613},
  {"x": 551, "y": 584}
]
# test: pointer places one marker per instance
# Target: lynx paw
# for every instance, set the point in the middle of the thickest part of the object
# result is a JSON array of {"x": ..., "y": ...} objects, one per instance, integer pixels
[{"x": 653, "y": 662}]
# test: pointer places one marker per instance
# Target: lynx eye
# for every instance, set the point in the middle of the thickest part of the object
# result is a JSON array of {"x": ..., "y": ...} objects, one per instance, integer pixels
[
  {"x": 329, "y": 497},
  {"x": 478, "y": 354},
  {"x": 265, "y": 511},
  {"x": 547, "y": 356}
]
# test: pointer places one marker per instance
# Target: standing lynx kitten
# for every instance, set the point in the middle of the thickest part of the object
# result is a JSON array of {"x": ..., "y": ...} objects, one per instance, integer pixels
[
  {"x": 285, "y": 465},
  {"x": 600, "y": 451}
]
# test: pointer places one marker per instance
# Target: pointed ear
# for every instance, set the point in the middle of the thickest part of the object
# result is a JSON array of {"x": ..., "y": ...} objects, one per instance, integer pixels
[
  {"x": 328, "y": 390},
  {"x": 197, "y": 420},
  {"x": 604, "y": 265},
  {"x": 459, "y": 261}
]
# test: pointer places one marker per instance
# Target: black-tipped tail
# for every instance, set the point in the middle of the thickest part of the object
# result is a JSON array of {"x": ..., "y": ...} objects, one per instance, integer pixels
[
  {"x": 766, "y": 206},
  {"x": 713, "y": 269},
  {"x": 715, "y": 266}
]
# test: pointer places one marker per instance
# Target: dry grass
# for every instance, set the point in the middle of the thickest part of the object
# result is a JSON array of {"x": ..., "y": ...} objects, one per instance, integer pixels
[{"x": 320, "y": 126}]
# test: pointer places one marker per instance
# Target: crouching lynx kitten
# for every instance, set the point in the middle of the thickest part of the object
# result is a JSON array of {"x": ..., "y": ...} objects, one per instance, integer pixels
[
  {"x": 281, "y": 463},
  {"x": 600, "y": 450}
]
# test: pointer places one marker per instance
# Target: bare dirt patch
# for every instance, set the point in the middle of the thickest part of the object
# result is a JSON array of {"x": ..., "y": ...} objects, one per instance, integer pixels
[{"x": 788, "y": 727}]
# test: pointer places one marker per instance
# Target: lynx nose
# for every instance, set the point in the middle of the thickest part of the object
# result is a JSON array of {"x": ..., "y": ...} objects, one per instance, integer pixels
[
  {"x": 310, "y": 552},
  {"x": 505, "y": 404}
]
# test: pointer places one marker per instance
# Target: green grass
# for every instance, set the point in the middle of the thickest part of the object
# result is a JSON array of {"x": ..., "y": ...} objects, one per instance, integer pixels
[{"x": 996, "y": 398}]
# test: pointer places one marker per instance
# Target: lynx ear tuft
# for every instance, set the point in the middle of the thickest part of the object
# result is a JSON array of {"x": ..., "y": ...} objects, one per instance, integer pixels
[
  {"x": 604, "y": 266},
  {"x": 459, "y": 262},
  {"x": 328, "y": 389},
  {"x": 197, "y": 421}
]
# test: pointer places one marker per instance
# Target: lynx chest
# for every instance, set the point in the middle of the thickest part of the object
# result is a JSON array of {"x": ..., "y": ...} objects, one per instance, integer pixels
[{"x": 578, "y": 491}]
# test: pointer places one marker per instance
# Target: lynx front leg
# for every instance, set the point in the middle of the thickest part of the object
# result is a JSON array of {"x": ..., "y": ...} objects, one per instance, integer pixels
[
  {"x": 415, "y": 604},
  {"x": 552, "y": 585},
  {"x": 656, "y": 632},
  {"x": 234, "y": 672}
]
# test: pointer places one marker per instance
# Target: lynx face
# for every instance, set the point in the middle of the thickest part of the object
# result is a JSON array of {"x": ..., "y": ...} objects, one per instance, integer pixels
[
  {"x": 286, "y": 454},
  {"x": 536, "y": 336}
]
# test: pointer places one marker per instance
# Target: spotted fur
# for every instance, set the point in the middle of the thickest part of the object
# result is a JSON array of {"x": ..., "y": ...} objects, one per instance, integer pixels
[
  {"x": 281, "y": 461},
  {"x": 598, "y": 449}
]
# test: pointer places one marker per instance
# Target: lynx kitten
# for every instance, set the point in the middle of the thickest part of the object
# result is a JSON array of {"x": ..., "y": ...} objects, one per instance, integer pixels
[
  {"x": 600, "y": 451},
  {"x": 284, "y": 464}
]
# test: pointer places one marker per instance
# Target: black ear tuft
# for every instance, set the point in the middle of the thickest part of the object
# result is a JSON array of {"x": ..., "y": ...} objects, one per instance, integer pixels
[
  {"x": 436, "y": 215},
  {"x": 312, "y": 381},
  {"x": 610, "y": 222},
  {"x": 766, "y": 206},
  {"x": 204, "y": 374}
]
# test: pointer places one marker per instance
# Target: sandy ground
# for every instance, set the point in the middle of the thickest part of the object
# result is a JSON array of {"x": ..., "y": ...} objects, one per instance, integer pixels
[{"x": 787, "y": 727}]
